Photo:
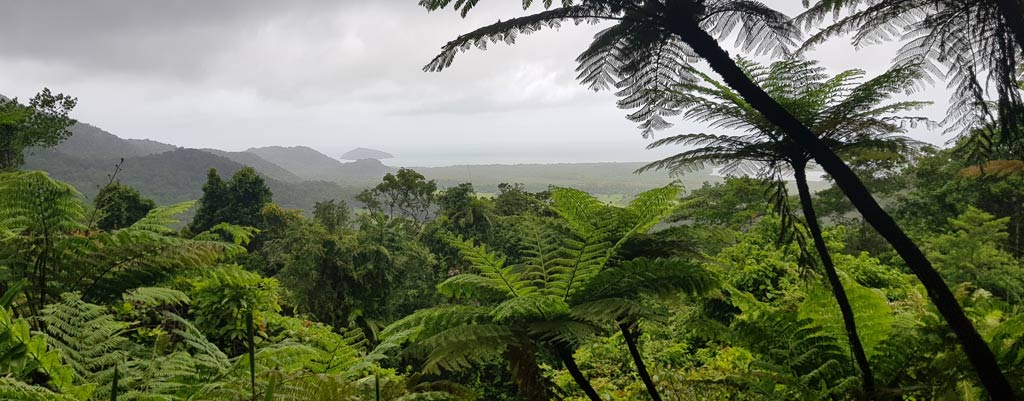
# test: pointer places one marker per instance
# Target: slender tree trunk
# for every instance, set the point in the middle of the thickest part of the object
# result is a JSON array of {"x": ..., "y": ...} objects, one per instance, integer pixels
[
  {"x": 630, "y": 337},
  {"x": 867, "y": 378},
  {"x": 1013, "y": 14},
  {"x": 978, "y": 352},
  {"x": 565, "y": 354}
]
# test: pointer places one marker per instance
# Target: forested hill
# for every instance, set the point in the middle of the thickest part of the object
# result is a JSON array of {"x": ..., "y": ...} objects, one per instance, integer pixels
[
  {"x": 175, "y": 176},
  {"x": 88, "y": 141},
  {"x": 300, "y": 176},
  {"x": 168, "y": 173}
]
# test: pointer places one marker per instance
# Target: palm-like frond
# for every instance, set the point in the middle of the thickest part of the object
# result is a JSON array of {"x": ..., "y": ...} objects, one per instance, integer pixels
[
  {"x": 967, "y": 43},
  {"x": 48, "y": 244},
  {"x": 493, "y": 272},
  {"x": 639, "y": 55},
  {"x": 649, "y": 277},
  {"x": 88, "y": 338}
]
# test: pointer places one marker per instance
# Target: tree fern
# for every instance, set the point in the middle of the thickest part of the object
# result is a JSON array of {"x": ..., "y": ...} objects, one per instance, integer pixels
[
  {"x": 874, "y": 316},
  {"x": 967, "y": 43},
  {"x": 14, "y": 390},
  {"x": 88, "y": 337}
]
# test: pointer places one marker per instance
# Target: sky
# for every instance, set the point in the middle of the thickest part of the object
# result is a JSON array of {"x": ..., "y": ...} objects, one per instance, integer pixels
[{"x": 338, "y": 74}]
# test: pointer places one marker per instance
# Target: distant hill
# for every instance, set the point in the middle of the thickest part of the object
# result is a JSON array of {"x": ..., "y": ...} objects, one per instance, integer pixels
[
  {"x": 300, "y": 176},
  {"x": 176, "y": 176},
  {"x": 309, "y": 164},
  {"x": 166, "y": 173},
  {"x": 301, "y": 160},
  {"x": 265, "y": 167},
  {"x": 364, "y": 153},
  {"x": 91, "y": 142},
  {"x": 602, "y": 178}
]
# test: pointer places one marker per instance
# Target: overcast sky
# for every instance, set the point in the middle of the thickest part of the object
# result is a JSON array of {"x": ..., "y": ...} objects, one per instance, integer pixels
[{"x": 333, "y": 75}]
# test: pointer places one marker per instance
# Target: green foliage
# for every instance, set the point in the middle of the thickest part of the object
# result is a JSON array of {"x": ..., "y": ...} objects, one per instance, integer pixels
[
  {"x": 332, "y": 214},
  {"x": 405, "y": 193},
  {"x": 51, "y": 247},
  {"x": 470, "y": 308},
  {"x": 972, "y": 251},
  {"x": 43, "y": 122},
  {"x": 225, "y": 295},
  {"x": 237, "y": 201},
  {"x": 121, "y": 206},
  {"x": 874, "y": 316},
  {"x": 514, "y": 200}
]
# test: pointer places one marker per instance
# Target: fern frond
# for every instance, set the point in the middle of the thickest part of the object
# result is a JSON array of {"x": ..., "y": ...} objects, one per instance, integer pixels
[
  {"x": 649, "y": 277},
  {"x": 530, "y": 307},
  {"x": 87, "y": 336},
  {"x": 492, "y": 267},
  {"x": 457, "y": 348},
  {"x": 156, "y": 296}
]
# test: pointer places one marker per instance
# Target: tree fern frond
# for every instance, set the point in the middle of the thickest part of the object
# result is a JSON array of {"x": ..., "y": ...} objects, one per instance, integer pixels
[
  {"x": 156, "y": 296},
  {"x": 88, "y": 337},
  {"x": 530, "y": 307},
  {"x": 161, "y": 218},
  {"x": 457, "y": 348},
  {"x": 492, "y": 267},
  {"x": 649, "y": 277},
  {"x": 14, "y": 390}
]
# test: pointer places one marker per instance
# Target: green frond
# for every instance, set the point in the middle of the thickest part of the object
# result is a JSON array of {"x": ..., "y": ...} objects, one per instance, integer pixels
[
  {"x": 565, "y": 331},
  {"x": 161, "y": 219},
  {"x": 649, "y": 208},
  {"x": 649, "y": 277},
  {"x": 540, "y": 248},
  {"x": 87, "y": 336},
  {"x": 613, "y": 310},
  {"x": 492, "y": 267},
  {"x": 155, "y": 296},
  {"x": 238, "y": 235},
  {"x": 468, "y": 285},
  {"x": 34, "y": 204},
  {"x": 459, "y": 347},
  {"x": 581, "y": 210},
  {"x": 874, "y": 316},
  {"x": 14, "y": 390},
  {"x": 426, "y": 322},
  {"x": 530, "y": 307}
]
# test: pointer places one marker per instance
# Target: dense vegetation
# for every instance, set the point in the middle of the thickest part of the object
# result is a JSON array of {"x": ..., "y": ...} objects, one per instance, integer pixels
[{"x": 733, "y": 290}]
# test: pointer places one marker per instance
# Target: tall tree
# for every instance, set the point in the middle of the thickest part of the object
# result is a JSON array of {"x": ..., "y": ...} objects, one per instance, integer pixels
[
  {"x": 649, "y": 47},
  {"x": 248, "y": 193},
  {"x": 237, "y": 201},
  {"x": 215, "y": 198},
  {"x": 120, "y": 206},
  {"x": 42, "y": 122},
  {"x": 332, "y": 214},
  {"x": 849, "y": 116},
  {"x": 406, "y": 193}
]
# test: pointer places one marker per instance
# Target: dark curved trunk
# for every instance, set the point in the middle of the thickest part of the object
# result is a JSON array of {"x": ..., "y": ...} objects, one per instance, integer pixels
[
  {"x": 565, "y": 354},
  {"x": 867, "y": 378},
  {"x": 1013, "y": 15},
  {"x": 978, "y": 352},
  {"x": 631, "y": 336}
]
